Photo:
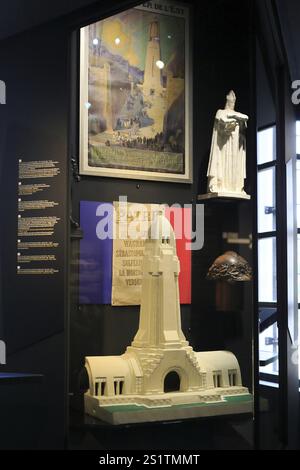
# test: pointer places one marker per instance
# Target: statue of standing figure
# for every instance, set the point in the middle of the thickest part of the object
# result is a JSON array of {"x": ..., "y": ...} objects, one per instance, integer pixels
[{"x": 227, "y": 162}]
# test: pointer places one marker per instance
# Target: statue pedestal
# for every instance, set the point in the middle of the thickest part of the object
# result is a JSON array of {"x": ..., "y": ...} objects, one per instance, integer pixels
[{"x": 224, "y": 195}]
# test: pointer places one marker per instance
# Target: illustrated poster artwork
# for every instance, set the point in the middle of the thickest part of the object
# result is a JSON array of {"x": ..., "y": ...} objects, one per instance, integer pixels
[
  {"x": 134, "y": 102},
  {"x": 227, "y": 162}
]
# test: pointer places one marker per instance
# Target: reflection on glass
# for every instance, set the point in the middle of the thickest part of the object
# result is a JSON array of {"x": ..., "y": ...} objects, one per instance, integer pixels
[
  {"x": 266, "y": 200},
  {"x": 266, "y": 145},
  {"x": 268, "y": 350},
  {"x": 267, "y": 270}
]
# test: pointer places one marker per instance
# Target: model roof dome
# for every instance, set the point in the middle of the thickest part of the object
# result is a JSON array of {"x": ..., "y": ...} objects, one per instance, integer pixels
[{"x": 161, "y": 230}]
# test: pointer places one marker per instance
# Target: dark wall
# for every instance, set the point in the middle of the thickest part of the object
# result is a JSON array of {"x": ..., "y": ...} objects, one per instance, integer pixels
[{"x": 278, "y": 422}]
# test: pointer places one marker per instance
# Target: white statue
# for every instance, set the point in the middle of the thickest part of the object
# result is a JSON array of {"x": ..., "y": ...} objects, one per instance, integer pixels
[
  {"x": 160, "y": 376},
  {"x": 227, "y": 162}
]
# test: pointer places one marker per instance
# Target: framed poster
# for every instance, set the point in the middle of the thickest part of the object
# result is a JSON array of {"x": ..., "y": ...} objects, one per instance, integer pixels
[{"x": 136, "y": 94}]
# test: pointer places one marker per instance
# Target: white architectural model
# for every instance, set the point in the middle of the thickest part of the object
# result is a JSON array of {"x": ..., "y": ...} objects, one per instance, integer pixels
[
  {"x": 227, "y": 162},
  {"x": 160, "y": 353}
]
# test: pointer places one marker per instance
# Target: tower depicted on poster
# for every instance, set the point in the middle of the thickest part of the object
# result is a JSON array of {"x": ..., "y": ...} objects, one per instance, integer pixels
[{"x": 135, "y": 98}]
